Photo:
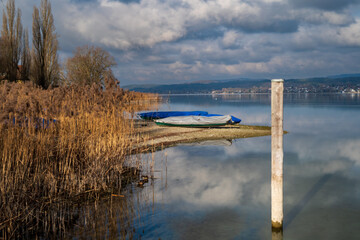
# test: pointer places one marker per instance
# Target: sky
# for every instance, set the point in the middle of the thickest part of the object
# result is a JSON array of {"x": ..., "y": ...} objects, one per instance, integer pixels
[{"x": 177, "y": 41}]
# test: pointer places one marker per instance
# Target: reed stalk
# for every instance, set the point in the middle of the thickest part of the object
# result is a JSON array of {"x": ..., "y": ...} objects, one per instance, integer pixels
[{"x": 83, "y": 154}]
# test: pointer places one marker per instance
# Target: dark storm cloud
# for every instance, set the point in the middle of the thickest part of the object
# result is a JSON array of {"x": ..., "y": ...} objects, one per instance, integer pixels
[
  {"x": 331, "y": 5},
  {"x": 128, "y": 1},
  {"x": 83, "y": 1},
  {"x": 89, "y": 1},
  {"x": 202, "y": 33},
  {"x": 275, "y": 26}
]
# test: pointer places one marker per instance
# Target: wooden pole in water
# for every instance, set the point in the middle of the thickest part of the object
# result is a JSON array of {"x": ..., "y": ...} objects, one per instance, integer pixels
[{"x": 277, "y": 153}]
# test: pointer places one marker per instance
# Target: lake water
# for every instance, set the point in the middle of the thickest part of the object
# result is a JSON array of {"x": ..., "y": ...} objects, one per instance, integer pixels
[{"x": 223, "y": 191}]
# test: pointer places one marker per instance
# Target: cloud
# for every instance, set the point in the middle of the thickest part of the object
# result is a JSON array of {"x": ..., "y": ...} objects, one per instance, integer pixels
[
  {"x": 121, "y": 25},
  {"x": 124, "y": 26},
  {"x": 324, "y": 4},
  {"x": 321, "y": 36},
  {"x": 165, "y": 41},
  {"x": 309, "y": 17}
]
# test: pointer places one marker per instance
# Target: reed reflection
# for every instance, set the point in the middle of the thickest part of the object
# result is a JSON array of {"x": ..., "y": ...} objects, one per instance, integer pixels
[
  {"x": 111, "y": 216},
  {"x": 116, "y": 217}
]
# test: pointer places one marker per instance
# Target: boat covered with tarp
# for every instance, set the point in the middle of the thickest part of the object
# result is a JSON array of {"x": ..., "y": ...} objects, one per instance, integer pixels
[
  {"x": 233, "y": 119},
  {"x": 195, "y": 121}
]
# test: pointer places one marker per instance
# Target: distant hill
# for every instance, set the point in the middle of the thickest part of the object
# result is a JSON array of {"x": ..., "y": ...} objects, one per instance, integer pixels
[
  {"x": 197, "y": 87},
  {"x": 345, "y": 75},
  {"x": 337, "y": 83}
]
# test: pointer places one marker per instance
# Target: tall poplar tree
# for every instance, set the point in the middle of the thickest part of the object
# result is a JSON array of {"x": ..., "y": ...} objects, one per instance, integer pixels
[
  {"x": 44, "y": 59},
  {"x": 25, "y": 57},
  {"x": 11, "y": 34},
  {"x": 2, "y": 60}
]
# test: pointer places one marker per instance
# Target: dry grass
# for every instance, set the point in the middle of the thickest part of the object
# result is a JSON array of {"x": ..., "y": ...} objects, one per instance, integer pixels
[{"x": 83, "y": 154}]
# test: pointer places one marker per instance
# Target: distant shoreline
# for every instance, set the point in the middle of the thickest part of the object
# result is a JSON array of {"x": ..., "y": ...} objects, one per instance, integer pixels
[
  {"x": 226, "y": 94},
  {"x": 341, "y": 84}
]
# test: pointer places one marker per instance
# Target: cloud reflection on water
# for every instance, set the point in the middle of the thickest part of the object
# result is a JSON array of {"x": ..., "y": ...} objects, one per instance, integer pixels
[
  {"x": 217, "y": 181},
  {"x": 323, "y": 143}
]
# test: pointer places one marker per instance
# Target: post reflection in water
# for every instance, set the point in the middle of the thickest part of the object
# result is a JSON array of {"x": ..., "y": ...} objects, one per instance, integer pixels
[{"x": 277, "y": 235}]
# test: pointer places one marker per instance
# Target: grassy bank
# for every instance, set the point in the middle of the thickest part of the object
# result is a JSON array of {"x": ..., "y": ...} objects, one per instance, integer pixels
[{"x": 83, "y": 154}]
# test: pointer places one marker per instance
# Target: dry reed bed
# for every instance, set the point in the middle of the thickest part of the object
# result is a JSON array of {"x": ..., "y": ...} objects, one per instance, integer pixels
[{"x": 83, "y": 154}]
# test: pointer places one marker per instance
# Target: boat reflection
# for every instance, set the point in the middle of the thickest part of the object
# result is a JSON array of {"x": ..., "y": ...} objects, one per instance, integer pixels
[{"x": 220, "y": 142}]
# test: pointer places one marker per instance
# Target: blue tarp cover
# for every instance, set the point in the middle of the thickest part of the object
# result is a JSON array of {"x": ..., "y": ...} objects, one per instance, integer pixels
[
  {"x": 159, "y": 115},
  {"x": 39, "y": 122}
]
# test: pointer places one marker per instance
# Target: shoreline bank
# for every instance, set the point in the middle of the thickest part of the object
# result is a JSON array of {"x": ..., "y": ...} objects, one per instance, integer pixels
[{"x": 160, "y": 137}]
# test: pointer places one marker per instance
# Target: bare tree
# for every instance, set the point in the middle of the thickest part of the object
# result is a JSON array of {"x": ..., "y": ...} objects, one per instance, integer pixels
[
  {"x": 89, "y": 65},
  {"x": 25, "y": 57},
  {"x": 44, "y": 59},
  {"x": 11, "y": 34},
  {"x": 2, "y": 60}
]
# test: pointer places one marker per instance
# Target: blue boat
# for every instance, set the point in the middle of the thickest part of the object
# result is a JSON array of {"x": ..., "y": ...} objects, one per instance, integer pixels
[
  {"x": 159, "y": 115},
  {"x": 162, "y": 114}
]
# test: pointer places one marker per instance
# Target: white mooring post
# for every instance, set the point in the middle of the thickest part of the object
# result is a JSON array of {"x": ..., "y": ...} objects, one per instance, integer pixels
[{"x": 277, "y": 153}]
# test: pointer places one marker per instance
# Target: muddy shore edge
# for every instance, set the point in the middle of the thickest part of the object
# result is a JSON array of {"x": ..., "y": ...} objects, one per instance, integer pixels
[{"x": 160, "y": 137}]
